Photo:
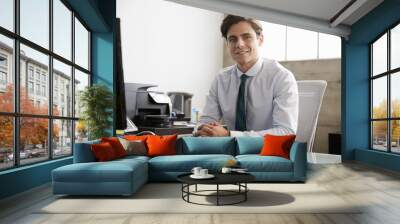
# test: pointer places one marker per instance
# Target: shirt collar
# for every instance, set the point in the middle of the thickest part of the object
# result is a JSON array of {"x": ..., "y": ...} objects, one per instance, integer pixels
[{"x": 253, "y": 71}]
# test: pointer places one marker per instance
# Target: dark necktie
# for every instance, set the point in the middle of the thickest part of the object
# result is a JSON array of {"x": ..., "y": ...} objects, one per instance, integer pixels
[{"x": 240, "y": 124}]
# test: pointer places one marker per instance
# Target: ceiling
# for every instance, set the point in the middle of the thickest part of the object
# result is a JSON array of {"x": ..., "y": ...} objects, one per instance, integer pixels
[{"x": 327, "y": 16}]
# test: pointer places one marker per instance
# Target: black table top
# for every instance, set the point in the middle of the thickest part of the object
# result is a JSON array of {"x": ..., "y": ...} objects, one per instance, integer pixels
[{"x": 220, "y": 178}]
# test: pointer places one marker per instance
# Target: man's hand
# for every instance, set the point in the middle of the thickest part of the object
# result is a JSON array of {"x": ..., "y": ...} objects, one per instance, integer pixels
[{"x": 213, "y": 129}]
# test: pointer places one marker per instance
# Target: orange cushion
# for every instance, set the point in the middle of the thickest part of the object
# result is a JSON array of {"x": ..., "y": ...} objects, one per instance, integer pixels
[
  {"x": 135, "y": 137},
  {"x": 161, "y": 145},
  {"x": 277, "y": 145},
  {"x": 103, "y": 151},
  {"x": 116, "y": 145}
]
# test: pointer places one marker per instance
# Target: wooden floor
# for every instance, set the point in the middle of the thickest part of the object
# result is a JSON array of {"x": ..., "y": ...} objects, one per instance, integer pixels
[{"x": 377, "y": 188}]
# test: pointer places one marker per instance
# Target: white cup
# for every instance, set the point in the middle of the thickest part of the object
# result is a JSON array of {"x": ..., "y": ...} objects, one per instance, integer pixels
[
  {"x": 196, "y": 170},
  {"x": 203, "y": 172},
  {"x": 226, "y": 170}
]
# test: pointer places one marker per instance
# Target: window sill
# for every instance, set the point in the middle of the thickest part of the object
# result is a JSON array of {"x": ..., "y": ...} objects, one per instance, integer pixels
[{"x": 26, "y": 167}]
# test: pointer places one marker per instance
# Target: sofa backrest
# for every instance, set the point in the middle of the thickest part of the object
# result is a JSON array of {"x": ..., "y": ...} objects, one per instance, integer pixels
[
  {"x": 83, "y": 152},
  {"x": 249, "y": 145},
  {"x": 206, "y": 145}
]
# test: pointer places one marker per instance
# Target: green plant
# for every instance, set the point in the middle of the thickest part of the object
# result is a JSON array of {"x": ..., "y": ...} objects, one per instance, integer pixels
[{"x": 96, "y": 104}]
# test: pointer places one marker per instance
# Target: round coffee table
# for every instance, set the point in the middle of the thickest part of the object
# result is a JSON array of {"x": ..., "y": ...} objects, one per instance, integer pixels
[{"x": 238, "y": 179}]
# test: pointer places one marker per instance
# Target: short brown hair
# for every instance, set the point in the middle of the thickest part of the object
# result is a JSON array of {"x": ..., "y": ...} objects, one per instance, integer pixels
[{"x": 230, "y": 20}]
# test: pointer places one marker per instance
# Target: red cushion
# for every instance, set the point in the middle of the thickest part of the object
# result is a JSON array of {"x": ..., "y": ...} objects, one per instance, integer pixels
[
  {"x": 116, "y": 145},
  {"x": 103, "y": 151},
  {"x": 161, "y": 145},
  {"x": 277, "y": 145}
]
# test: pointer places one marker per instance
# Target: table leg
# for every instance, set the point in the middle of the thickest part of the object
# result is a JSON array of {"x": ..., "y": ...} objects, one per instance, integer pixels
[
  {"x": 196, "y": 188},
  {"x": 245, "y": 191},
  {"x": 217, "y": 194}
]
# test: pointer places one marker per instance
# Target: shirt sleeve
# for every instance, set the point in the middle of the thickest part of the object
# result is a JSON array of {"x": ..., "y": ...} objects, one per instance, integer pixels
[
  {"x": 285, "y": 108},
  {"x": 212, "y": 110}
]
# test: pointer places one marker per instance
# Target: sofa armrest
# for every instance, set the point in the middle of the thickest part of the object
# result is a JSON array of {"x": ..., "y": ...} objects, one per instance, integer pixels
[
  {"x": 298, "y": 155},
  {"x": 83, "y": 152}
]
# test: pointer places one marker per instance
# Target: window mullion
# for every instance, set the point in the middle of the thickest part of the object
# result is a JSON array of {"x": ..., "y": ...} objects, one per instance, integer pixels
[
  {"x": 16, "y": 84},
  {"x": 389, "y": 106},
  {"x": 50, "y": 81},
  {"x": 73, "y": 82}
]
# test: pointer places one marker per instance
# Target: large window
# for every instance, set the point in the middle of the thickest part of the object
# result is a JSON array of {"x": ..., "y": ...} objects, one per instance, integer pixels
[
  {"x": 284, "y": 43},
  {"x": 385, "y": 92},
  {"x": 44, "y": 63}
]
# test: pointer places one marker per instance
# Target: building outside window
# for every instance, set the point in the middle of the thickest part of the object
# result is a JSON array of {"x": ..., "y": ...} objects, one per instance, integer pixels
[
  {"x": 44, "y": 77},
  {"x": 3, "y": 72},
  {"x": 43, "y": 90},
  {"x": 3, "y": 61},
  {"x": 30, "y": 87},
  {"x": 3, "y": 77},
  {"x": 30, "y": 72}
]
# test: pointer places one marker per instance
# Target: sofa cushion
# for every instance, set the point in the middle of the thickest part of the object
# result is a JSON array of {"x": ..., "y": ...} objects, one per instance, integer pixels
[
  {"x": 112, "y": 171},
  {"x": 134, "y": 147},
  {"x": 161, "y": 145},
  {"x": 185, "y": 163},
  {"x": 257, "y": 163},
  {"x": 116, "y": 145},
  {"x": 207, "y": 145},
  {"x": 103, "y": 151},
  {"x": 249, "y": 145},
  {"x": 277, "y": 145}
]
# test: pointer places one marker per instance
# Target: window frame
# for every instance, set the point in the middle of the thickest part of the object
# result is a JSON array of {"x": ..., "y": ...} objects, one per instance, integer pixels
[
  {"x": 16, "y": 114},
  {"x": 388, "y": 74}
]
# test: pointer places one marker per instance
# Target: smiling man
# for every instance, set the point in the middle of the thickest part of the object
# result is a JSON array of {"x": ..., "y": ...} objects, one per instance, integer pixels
[{"x": 254, "y": 97}]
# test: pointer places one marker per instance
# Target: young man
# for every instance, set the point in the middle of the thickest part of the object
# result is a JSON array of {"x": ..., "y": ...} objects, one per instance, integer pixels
[{"x": 255, "y": 96}]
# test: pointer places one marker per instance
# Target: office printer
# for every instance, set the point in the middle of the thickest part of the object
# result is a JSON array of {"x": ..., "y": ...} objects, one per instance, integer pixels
[{"x": 146, "y": 107}]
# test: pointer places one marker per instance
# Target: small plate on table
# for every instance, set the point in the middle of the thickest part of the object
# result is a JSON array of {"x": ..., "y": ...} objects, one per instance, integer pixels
[{"x": 208, "y": 176}]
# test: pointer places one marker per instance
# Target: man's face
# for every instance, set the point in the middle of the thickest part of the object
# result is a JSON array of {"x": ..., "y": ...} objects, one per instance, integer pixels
[{"x": 243, "y": 43}]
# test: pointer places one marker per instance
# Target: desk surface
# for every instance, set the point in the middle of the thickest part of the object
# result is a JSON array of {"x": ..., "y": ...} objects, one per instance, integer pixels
[{"x": 169, "y": 130}]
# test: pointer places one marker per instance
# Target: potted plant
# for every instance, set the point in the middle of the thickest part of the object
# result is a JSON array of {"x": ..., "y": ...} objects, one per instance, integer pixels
[{"x": 96, "y": 104}]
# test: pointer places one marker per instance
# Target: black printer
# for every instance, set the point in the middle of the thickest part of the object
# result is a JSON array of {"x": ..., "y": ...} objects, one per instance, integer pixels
[{"x": 146, "y": 107}]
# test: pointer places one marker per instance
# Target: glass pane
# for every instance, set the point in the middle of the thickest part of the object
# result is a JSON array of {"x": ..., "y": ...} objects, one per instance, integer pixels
[
  {"x": 6, "y": 74},
  {"x": 274, "y": 46},
  {"x": 330, "y": 46},
  {"x": 395, "y": 94},
  {"x": 395, "y": 136},
  {"x": 379, "y": 56},
  {"x": 7, "y": 14},
  {"x": 62, "y": 29},
  {"x": 379, "y": 98},
  {"x": 6, "y": 142},
  {"x": 395, "y": 47},
  {"x": 33, "y": 139},
  {"x": 81, "y": 45},
  {"x": 301, "y": 44},
  {"x": 62, "y": 89},
  {"x": 62, "y": 138},
  {"x": 35, "y": 21},
  {"x": 34, "y": 96},
  {"x": 81, "y": 81},
  {"x": 81, "y": 131},
  {"x": 379, "y": 135}
]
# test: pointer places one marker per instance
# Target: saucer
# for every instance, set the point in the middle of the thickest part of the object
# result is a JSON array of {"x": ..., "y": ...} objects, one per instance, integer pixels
[{"x": 208, "y": 176}]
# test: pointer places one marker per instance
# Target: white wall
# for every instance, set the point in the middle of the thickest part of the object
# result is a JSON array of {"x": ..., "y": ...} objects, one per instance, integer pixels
[{"x": 177, "y": 47}]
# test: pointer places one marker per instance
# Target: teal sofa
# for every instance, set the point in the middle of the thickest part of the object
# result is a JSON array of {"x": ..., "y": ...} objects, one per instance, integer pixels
[{"x": 125, "y": 176}]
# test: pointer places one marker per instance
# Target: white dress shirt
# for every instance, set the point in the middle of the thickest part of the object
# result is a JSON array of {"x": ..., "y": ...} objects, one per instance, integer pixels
[{"x": 271, "y": 98}]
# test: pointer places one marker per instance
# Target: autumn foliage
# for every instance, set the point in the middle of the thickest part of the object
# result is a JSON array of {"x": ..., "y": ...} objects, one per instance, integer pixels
[
  {"x": 33, "y": 131},
  {"x": 380, "y": 127}
]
